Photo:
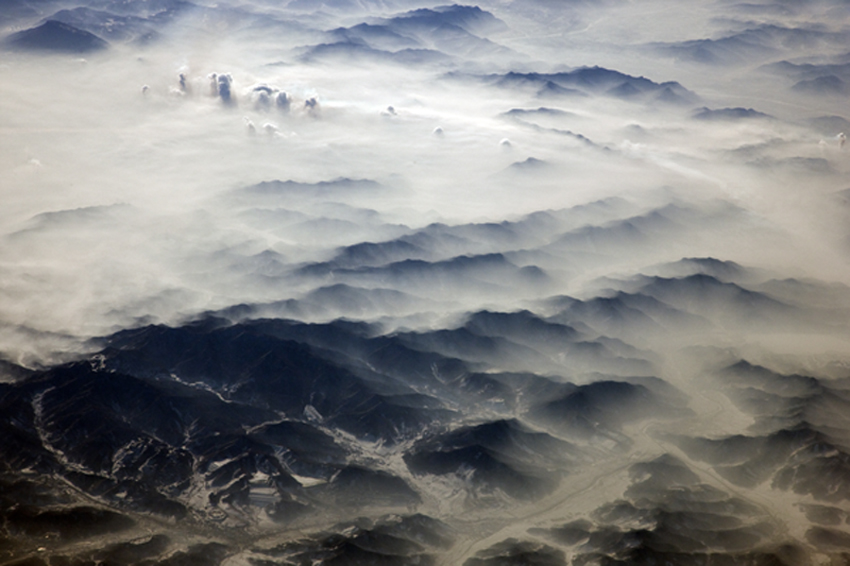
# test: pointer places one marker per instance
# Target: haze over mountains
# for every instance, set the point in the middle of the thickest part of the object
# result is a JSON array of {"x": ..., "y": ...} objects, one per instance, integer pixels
[{"x": 396, "y": 282}]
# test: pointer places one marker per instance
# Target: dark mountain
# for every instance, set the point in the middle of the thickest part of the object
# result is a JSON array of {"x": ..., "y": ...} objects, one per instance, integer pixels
[
  {"x": 524, "y": 328},
  {"x": 486, "y": 272},
  {"x": 800, "y": 72},
  {"x": 439, "y": 241},
  {"x": 635, "y": 231},
  {"x": 425, "y": 35},
  {"x": 593, "y": 80},
  {"x": 750, "y": 45},
  {"x": 727, "y": 271},
  {"x": 732, "y": 50},
  {"x": 247, "y": 365},
  {"x": 382, "y": 253},
  {"x": 409, "y": 539},
  {"x": 798, "y": 459},
  {"x": 669, "y": 516},
  {"x": 829, "y": 125},
  {"x": 517, "y": 553},
  {"x": 470, "y": 18},
  {"x": 825, "y": 85},
  {"x": 598, "y": 410},
  {"x": 627, "y": 313},
  {"x": 730, "y": 114},
  {"x": 209, "y": 424},
  {"x": 551, "y": 89},
  {"x": 235, "y": 424},
  {"x": 113, "y": 27},
  {"x": 53, "y": 35},
  {"x": 790, "y": 444},
  {"x": 377, "y": 36},
  {"x": 541, "y": 111},
  {"x": 707, "y": 296},
  {"x": 358, "y": 51},
  {"x": 498, "y": 456}
]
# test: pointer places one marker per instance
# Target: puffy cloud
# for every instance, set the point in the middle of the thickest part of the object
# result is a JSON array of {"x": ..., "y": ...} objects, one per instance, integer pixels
[
  {"x": 224, "y": 88},
  {"x": 250, "y": 128},
  {"x": 220, "y": 87},
  {"x": 262, "y": 97},
  {"x": 266, "y": 97},
  {"x": 183, "y": 83},
  {"x": 311, "y": 106},
  {"x": 282, "y": 101}
]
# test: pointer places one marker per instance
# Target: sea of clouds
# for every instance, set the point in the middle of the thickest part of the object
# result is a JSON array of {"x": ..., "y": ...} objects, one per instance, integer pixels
[{"x": 587, "y": 261}]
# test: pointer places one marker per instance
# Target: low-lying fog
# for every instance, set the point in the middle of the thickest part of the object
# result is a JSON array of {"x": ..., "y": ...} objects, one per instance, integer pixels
[{"x": 398, "y": 282}]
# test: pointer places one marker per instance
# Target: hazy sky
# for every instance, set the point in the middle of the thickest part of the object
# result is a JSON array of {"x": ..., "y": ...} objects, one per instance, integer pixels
[{"x": 121, "y": 202}]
